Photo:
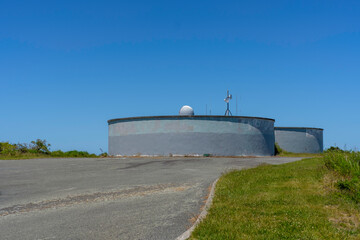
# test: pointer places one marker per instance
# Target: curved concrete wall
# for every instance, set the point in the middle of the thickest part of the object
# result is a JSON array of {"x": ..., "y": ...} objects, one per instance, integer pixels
[
  {"x": 299, "y": 140},
  {"x": 192, "y": 135}
]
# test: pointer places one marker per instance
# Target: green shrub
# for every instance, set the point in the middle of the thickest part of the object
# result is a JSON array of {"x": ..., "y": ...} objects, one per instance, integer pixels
[
  {"x": 57, "y": 153},
  {"x": 278, "y": 149},
  {"x": 333, "y": 149},
  {"x": 104, "y": 154},
  {"x": 75, "y": 153},
  {"x": 7, "y": 148},
  {"x": 35, "y": 147},
  {"x": 40, "y": 146},
  {"x": 22, "y": 148}
]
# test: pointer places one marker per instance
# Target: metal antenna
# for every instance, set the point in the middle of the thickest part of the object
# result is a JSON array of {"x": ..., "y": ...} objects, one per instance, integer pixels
[
  {"x": 227, "y": 100},
  {"x": 236, "y": 107}
]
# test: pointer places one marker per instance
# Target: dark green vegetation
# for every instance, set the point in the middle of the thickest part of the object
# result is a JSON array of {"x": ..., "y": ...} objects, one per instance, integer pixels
[
  {"x": 282, "y": 153},
  {"x": 299, "y": 200},
  {"x": 345, "y": 166},
  {"x": 278, "y": 149},
  {"x": 37, "y": 149}
]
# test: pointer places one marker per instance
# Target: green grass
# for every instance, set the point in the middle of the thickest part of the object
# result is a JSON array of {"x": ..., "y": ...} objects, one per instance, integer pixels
[
  {"x": 279, "y": 152},
  {"x": 290, "y": 201},
  {"x": 304, "y": 155},
  {"x": 53, "y": 154},
  {"x": 23, "y": 156},
  {"x": 346, "y": 166}
]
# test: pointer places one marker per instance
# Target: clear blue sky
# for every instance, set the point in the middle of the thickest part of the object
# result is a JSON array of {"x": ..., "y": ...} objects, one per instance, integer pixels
[{"x": 66, "y": 67}]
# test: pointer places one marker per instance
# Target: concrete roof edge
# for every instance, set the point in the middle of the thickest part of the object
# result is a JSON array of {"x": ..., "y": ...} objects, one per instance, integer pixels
[
  {"x": 186, "y": 117},
  {"x": 298, "y": 128}
]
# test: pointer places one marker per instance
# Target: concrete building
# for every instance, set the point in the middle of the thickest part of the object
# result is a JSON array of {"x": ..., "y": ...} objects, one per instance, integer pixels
[
  {"x": 299, "y": 139},
  {"x": 191, "y": 135}
]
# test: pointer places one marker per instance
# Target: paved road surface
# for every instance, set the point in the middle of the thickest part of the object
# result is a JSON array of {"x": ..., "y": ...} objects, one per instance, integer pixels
[{"x": 132, "y": 198}]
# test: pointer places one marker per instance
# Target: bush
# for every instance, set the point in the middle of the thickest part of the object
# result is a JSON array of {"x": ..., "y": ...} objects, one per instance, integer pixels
[
  {"x": 278, "y": 149},
  {"x": 75, "y": 153},
  {"x": 104, "y": 154},
  {"x": 57, "y": 153},
  {"x": 22, "y": 147},
  {"x": 333, "y": 149},
  {"x": 7, "y": 148},
  {"x": 35, "y": 147},
  {"x": 40, "y": 146}
]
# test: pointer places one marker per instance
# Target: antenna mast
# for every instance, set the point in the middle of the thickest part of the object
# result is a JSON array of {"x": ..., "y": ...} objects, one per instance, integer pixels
[
  {"x": 227, "y": 100},
  {"x": 236, "y": 107}
]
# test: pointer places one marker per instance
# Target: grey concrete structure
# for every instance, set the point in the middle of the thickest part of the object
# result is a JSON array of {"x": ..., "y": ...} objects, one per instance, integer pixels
[
  {"x": 299, "y": 139},
  {"x": 191, "y": 135}
]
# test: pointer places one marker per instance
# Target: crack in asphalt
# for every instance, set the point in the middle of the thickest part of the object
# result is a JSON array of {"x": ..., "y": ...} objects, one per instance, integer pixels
[{"x": 94, "y": 197}]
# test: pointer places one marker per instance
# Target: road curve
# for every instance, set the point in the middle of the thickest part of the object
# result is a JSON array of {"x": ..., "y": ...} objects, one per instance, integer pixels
[{"x": 108, "y": 198}]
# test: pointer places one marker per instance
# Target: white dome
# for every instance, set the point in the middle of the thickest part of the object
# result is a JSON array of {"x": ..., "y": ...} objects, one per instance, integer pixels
[{"x": 186, "y": 111}]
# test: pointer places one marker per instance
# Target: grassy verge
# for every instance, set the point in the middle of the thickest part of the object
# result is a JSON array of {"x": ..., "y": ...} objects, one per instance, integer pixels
[
  {"x": 22, "y": 156},
  {"x": 279, "y": 152},
  {"x": 304, "y": 155},
  {"x": 291, "y": 201},
  {"x": 54, "y": 154},
  {"x": 345, "y": 166}
]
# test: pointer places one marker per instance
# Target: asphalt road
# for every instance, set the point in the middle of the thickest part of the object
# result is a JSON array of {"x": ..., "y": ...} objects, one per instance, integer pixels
[{"x": 112, "y": 198}]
